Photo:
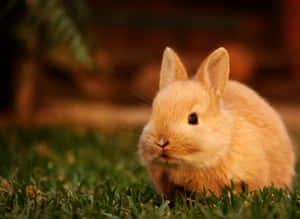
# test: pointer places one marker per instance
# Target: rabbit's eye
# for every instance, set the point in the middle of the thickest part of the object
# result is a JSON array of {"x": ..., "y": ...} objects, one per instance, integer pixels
[{"x": 193, "y": 119}]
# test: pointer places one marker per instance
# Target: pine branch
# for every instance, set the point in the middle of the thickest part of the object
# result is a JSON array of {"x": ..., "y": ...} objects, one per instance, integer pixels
[{"x": 55, "y": 28}]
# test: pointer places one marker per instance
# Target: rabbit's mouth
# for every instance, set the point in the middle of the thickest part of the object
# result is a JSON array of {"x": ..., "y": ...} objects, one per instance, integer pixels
[
  {"x": 166, "y": 159},
  {"x": 164, "y": 156}
]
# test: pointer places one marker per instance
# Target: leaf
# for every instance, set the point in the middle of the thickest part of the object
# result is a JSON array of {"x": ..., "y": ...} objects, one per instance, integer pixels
[
  {"x": 51, "y": 20},
  {"x": 110, "y": 215},
  {"x": 163, "y": 207}
]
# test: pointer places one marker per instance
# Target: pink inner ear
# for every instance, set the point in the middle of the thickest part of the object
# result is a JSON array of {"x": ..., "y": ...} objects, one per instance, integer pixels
[
  {"x": 217, "y": 70},
  {"x": 172, "y": 68}
]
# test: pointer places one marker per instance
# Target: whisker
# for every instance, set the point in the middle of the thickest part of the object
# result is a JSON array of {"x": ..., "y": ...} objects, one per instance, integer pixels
[{"x": 141, "y": 99}]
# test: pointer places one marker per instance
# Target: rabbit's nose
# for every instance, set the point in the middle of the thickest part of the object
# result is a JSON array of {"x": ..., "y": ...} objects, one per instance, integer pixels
[{"x": 162, "y": 143}]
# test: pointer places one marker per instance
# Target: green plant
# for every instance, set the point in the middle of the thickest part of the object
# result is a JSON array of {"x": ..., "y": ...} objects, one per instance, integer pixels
[
  {"x": 45, "y": 27},
  {"x": 63, "y": 173}
]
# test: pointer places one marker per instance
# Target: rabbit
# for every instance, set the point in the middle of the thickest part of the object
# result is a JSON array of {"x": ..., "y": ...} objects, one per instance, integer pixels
[{"x": 208, "y": 132}]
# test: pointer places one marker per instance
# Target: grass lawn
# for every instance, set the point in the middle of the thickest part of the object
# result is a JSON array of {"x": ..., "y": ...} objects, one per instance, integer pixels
[{"x": 57, "y": 172}]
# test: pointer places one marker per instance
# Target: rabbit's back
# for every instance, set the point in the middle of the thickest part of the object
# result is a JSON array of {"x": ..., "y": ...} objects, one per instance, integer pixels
[{"x": 257, "y": 121}]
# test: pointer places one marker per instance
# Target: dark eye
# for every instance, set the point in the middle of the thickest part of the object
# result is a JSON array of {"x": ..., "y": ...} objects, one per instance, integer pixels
[{"x": 193, "y": 119}]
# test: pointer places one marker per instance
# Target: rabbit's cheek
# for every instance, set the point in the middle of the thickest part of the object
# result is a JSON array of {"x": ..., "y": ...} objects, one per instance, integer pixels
[
  {"x": 147, "y": 156},
  {"x": 148, "y": 151},
  {"x": 152, "y": 150}
]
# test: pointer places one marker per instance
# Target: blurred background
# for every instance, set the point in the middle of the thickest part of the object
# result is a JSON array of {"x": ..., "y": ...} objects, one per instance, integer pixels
[{"x": 93, "y": 63}]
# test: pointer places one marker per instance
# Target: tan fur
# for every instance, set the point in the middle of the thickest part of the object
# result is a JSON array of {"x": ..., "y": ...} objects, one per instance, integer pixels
[{"x": 238, "y": 138}]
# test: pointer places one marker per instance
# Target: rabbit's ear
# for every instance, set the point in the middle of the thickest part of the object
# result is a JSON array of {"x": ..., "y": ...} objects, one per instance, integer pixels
[
  {"x": 172, "y": 68},
  {"x": 214, "y": 71}
]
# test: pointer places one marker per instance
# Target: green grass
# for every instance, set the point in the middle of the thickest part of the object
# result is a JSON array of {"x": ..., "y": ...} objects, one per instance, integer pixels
[{"x": 56, "y": 172}]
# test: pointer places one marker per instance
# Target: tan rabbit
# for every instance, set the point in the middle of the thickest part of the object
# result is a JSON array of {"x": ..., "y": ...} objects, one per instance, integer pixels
[{"x": 208, "y": 131}]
